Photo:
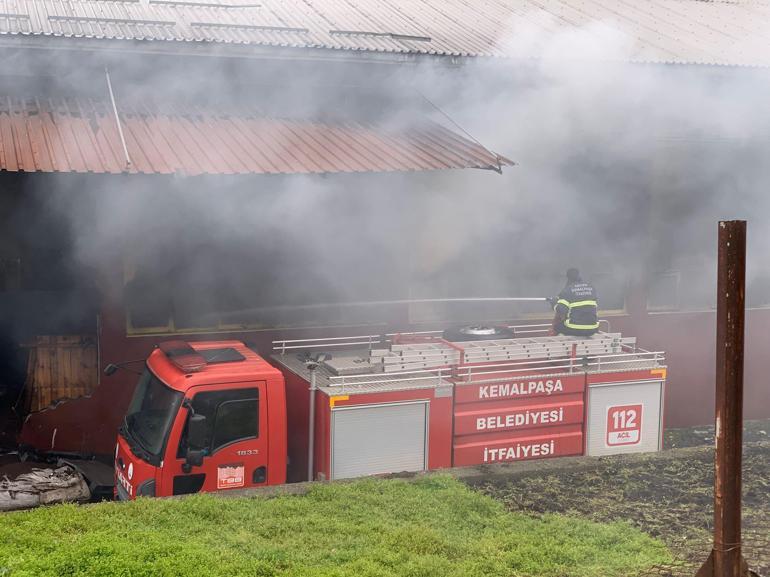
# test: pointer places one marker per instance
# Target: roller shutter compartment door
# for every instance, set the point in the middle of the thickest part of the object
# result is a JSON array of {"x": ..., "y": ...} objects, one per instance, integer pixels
[
  {"x": 379, "y": 439},
  {"x": 624, "y": 417}
]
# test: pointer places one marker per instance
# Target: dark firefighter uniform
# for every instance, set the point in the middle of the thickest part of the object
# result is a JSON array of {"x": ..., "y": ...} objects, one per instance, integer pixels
[{"x": 576, "y": 310}]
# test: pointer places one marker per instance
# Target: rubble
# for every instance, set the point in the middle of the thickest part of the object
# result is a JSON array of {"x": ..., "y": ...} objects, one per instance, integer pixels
[{"x": 43, "y": 487}]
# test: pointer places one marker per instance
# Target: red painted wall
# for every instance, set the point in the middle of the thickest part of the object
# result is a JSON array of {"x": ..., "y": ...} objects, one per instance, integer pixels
[
  {"x": 89, "y": 424},
  {"x": 689, "y": 341}
]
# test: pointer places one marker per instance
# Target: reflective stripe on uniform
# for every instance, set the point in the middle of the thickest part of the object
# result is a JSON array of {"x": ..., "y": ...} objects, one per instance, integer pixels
[
  {"x": 571, "y": 306},
  {"x": 569, "y": 325},
  {"x": 581, "y": 304}
]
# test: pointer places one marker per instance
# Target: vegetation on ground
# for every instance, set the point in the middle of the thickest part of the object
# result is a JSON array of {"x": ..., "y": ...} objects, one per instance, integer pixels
[
  {"x": 754, "y": 431},
  {"x": 667, "y": 495},
  {"x": 427, "y": 526}
]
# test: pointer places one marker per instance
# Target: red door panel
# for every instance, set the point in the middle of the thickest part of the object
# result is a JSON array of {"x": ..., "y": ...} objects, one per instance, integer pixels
[{"x": 232, "y": 461}]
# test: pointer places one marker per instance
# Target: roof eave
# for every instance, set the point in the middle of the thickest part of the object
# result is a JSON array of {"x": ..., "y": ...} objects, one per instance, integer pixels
[{"x": 222, "y": 50}]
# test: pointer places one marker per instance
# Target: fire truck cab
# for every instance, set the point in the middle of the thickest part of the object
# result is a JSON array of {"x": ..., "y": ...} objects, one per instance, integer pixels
[{"x": 204, "y": 417}]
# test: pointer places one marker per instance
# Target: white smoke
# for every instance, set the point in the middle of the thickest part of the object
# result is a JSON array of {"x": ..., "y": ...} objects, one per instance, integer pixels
[{"x": 622, "y": 170}]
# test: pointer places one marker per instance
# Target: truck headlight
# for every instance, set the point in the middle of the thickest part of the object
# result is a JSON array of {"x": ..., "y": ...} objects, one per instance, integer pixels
[{"x": 146, "y": 489}]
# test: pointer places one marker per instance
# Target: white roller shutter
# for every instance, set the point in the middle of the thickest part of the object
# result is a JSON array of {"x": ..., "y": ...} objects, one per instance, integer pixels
[
  {"x": 379, "y": 439},
  {"x": 630, "y": 398}
]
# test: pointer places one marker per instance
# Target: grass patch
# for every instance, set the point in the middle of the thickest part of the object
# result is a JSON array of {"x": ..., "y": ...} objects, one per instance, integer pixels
[
  {"x": 427, "y": 527},
  {"x": 667, "y": 495}
]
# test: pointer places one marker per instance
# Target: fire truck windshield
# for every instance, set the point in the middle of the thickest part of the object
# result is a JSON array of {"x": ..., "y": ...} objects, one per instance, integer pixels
[{"x": 150, "y": 416}]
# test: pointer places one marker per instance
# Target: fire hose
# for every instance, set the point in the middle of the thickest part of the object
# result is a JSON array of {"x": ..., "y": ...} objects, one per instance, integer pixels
[{"x": 388, "y": 302}]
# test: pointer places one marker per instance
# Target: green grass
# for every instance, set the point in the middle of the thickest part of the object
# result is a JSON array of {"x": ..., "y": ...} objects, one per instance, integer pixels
[{"x": 430, "y": 526}]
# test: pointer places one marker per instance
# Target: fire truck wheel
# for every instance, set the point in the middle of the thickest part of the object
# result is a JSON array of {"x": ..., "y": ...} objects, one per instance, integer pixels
[{"x": 476, "y": 333}]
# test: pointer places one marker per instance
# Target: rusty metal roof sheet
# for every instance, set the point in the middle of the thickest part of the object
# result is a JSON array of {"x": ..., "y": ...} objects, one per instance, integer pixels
[
  {"x": 81, "y": 135},
  {"x": 731, "y": 32}
]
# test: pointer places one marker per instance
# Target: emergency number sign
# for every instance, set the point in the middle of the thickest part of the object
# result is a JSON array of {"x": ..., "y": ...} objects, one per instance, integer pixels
[
  {"x": 624, "y": 425},
  {"x": 230, "y": 476}
]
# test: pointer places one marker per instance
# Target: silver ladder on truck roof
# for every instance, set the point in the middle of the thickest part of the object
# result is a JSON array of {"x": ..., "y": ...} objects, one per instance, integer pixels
[
  {"x": 370, "y": 341},
  {"x": 375, "y": 360},
  {"x": 402, "y": 357},
  {"x": 383, "y": 358}
]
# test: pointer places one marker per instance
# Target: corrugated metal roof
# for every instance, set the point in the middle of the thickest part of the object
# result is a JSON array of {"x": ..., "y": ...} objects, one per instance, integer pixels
[
  {"x": 732, "y": 32},
  {"x": 79, "y": 135}
]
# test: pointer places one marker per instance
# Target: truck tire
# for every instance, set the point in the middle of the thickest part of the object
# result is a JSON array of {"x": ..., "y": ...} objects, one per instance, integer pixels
[{"x": 476, "y": 333}]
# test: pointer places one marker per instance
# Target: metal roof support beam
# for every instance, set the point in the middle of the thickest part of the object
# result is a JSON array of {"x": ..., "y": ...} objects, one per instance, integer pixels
[{"x": 117, "y": 118}]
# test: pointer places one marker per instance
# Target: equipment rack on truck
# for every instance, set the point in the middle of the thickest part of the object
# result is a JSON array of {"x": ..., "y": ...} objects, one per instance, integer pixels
[{"x": 411, "y": 402}]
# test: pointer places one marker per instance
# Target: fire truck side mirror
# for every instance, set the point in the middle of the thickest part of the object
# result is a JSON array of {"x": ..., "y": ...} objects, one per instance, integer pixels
[
  {"x": 194, "y": 459},
  {"x": 196, "y": 432},
  {"x": 196, "y": 441}
]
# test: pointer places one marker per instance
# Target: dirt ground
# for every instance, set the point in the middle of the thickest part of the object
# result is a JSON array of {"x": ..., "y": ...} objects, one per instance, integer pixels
[
  {"x": 753, "y": 432},
  {"x": 669, "y": 495}
]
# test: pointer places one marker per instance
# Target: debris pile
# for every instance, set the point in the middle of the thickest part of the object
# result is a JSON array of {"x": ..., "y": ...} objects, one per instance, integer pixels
[{"x": 43, "y": 487}]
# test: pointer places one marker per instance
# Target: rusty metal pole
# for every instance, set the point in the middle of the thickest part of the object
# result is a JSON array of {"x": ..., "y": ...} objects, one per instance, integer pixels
[
  {"x": 726, "y": 559},
  {"x": 731, "y": 308}
]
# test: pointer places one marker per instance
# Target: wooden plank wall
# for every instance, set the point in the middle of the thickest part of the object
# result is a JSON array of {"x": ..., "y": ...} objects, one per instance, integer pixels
[{"x": 60, "y": 367}]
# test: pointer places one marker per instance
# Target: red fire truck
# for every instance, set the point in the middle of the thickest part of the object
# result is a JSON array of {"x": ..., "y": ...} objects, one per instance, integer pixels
[{"x": 210, "y": 416}]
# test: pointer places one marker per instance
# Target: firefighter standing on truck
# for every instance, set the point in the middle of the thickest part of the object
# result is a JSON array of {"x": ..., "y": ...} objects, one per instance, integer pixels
[{"x": 575, "y": 308}]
